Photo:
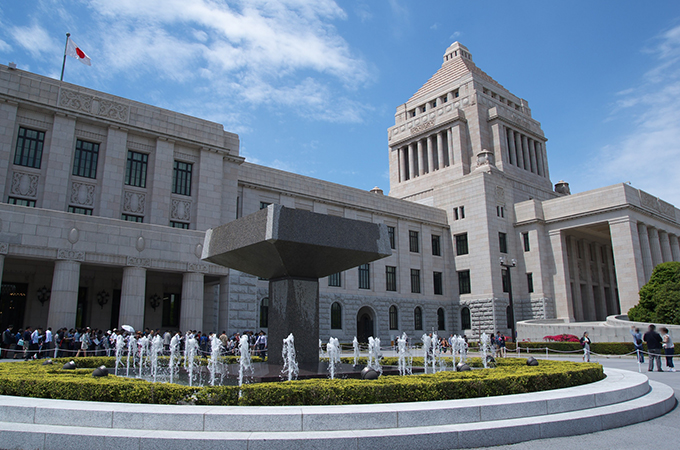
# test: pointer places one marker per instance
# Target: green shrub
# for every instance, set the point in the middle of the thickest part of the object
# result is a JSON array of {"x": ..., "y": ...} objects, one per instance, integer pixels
[
  {"x": 32, "y": 379},
  {"x": 660, "y": 297}
]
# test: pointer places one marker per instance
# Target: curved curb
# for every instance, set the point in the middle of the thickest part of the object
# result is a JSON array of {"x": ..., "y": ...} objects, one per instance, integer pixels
[{"x": 623, "y": 398}]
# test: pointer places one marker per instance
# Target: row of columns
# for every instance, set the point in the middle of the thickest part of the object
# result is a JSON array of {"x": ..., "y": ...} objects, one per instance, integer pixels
[
  {"x": 430, "y": 153},
  {"x": 657, "y": 246},
  {"x": 525, "y": 152}
]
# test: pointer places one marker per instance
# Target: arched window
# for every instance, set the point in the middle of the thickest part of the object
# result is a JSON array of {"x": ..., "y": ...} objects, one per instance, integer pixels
[
  {"x": 336, "y": 316},
  {"x": 418, "y": 318},
  {"x": 441, "y": 319},
  {"x": 465, "y": 321},
  {"x": 394, "y": 318},
  {"x": 264, "y": 313}
]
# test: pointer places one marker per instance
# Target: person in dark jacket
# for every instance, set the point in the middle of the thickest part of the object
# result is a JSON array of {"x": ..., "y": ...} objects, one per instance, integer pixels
[{"x": 654, "y": 341}]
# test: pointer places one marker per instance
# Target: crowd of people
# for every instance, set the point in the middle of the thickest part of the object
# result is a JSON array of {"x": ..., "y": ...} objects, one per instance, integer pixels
[{"x": 35, "y": 343}]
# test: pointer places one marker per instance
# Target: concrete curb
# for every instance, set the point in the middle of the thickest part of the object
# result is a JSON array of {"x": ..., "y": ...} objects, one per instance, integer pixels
[{"x": 623, "y": 398}]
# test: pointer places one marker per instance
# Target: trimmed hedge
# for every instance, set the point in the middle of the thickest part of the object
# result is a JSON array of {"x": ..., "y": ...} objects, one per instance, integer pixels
[{"x": 512, "y": 376}]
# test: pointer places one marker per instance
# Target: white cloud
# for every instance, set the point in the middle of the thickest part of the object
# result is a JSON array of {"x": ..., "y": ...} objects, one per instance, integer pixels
[
  {"x": 647, "y": 155},
  {"x": 455, "y": 35},
  {"x": 35, "y": 39},
  {"x": 4, "y": 46}
]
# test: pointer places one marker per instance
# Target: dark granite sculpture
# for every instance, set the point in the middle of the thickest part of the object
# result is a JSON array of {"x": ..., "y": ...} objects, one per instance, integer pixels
[{"x": 294, "y": 248}]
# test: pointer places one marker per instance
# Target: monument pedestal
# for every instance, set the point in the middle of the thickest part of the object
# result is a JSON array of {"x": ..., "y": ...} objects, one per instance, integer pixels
[{"x": 294, "y": 308}]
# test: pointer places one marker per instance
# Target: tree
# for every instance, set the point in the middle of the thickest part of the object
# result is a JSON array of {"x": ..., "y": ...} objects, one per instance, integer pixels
[{"x": 660, "y": 297}]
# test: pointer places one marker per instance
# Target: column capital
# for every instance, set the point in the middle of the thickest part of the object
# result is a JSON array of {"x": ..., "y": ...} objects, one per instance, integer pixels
[
  {"x": 135, "y": 261},
  {"x": 4, "y": 248},
  {"x": 71, "y": 255},
  {"x": 197, "y": 268}
]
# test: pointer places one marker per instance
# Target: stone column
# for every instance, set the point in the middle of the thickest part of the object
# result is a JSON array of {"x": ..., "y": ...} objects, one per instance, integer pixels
[
  {"x": 525, "y": 153},
  {"x": 539, "y": 162},
  {"x": 224, "y": 305},
  {"x": 191, "y": 312},
  {"x": 412, "y": 161},
  {"x": 449, "y": 145},
  {"x": 665, "y": 246},
  {"x": 401, "y": 151},
  {"x": 576, "y": 291},
  {"x": 113, "y": 165},
  {"x": 294, "y": 308},
  {"x": 512, "y": 152},
  {"x": 519, "y": 153},
  {"x": 499, "y": 144},
  {"x": 132, "y": 297},
  {"x": 429, "y": 142},
  {"x": 440, "y": 151},
  {"x": 564, "y": 304},
  {"x": 645, "y": 250},
  {"x": 655, "y": 245},
  {"x": 590, "y": 307},
  {"x": 64, "y": 296},
  {"x": 57, "y": 165},
  {"x": 628, "y": 254},
  {"x": 161, "y": 171},
  {"x": 675, "y": 247},
  {"x": 4, "y": 249},
  {"x": 421, "y": 158},
  {"x": 532, "y": 156},
  {"x": 602, "y": 305}
]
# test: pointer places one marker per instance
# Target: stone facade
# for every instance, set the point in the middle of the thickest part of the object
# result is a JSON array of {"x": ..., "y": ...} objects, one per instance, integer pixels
[{"x": 119, "y": 240}]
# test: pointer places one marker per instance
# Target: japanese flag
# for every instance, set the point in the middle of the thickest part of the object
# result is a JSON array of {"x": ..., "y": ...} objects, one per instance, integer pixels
[{"x": 72, "y": 49}]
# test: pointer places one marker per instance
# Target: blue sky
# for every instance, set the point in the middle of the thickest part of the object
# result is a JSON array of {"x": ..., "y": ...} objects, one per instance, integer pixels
[{"x": 311, "y": 86}]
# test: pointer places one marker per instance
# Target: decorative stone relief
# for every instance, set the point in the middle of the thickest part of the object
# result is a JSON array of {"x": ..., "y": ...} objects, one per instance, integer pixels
[
  {"x": 140, "y": 244},
  {"x": 666, "y": 208},
  {"x": 422, "y": 127},
  {"x": 134, "y": 202},
  {"x": 4, "y": 248},
  {"x": 75, "y": 100},
  {"x": 198, "y": 251},
  {"x": 113, "y": 110},
  {"x": 181, "y": 209},
  {"x": 138, "y": 262},
  {"x": 25, "y": 184},
  {"x": 500, "y": 195},
  {"x": 73, "y": 255},
  {"x": 82, "y": 194},
  {"x": 201, "y": 268},
  {"x": 73, "y": 235}
]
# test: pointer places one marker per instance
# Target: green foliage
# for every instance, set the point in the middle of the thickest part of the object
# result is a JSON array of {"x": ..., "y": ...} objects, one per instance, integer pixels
[
  {"x": 660, "y": 297},
  {"x": 32, "y": 379}
]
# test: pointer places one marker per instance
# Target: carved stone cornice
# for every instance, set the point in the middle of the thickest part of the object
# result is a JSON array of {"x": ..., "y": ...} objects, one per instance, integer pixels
[
  {"x": 136, "y": 261},
  {"x": 71, "y": 255},
  {"x": 4, "y": 248},
  {"x": 197, "y": 267}
]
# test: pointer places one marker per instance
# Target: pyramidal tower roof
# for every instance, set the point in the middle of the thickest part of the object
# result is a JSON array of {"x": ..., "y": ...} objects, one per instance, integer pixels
[{"x": 457, "y": 63}]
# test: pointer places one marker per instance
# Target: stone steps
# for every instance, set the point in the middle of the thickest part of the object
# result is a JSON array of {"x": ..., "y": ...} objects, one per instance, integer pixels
[{"x": 622, "y": 399}]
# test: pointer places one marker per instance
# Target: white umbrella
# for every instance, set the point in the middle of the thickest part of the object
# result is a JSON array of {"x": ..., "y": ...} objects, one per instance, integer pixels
[{"x": 128, "y": 328}]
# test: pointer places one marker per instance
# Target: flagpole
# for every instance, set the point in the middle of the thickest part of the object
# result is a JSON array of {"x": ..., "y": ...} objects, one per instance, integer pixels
[{"x": 64, "y": 63}]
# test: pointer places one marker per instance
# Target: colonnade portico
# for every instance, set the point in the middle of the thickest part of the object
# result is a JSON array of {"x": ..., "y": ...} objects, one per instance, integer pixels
[{"x": 428, "y": 154}]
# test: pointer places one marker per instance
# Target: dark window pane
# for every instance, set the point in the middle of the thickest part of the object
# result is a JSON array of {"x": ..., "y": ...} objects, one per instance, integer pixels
[
  {"x": 415, "y": 281},
  {"x": 525, "y": 238},
  {"x": 418, "y": 318},
  {"x": 264, "y": 312},
  {"x": 503, "y": 242},
  {"x": 390, "y": 233},
  {"x": 436, "y": 245},
  {"x": 21, "y": 201},
  {"x": 465, "y": 319},
  {"x": 461, "y": 244},
  {"x": 135, "y": 172},
  {"x": 78, "y": 210},
  {"x": 413, "y": 242},
  {"x": 85, "y": 159},
  {"x": 390, "y": 278},
  {"x": 437, "y": 281},
  {"x": 132, "y": 218},
  {"x": 364, "y": 276},
  {"x": 530, "y": 282},
  {"x": 464, "y": 282},
  {"x": 336, "y": 316},
  {"x": 181, "y": 179},
  {"x": 394, "y": 318},
  {"x": 182, "y": 225},
  {"x": 441, "y": 319},
  {"x": 29, "y": 148},
  {"x": 334, "y": 280}
]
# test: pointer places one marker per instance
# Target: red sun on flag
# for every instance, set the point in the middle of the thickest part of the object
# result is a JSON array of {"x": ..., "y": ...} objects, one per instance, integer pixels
[{"x": 73, "y": 50}]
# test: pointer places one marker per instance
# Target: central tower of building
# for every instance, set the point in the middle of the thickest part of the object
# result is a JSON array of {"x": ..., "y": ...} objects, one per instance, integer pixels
[{"x": 465, "y": 144}]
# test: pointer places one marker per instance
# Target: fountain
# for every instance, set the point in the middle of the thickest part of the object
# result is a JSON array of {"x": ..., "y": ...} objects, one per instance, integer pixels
[
  {"x": 290, "y": 366},
  {"x": 374, "y": 354},
  {"x": 405, "y": 359},
  {"x": 173, "y": 364},
  {"x": 190, "y": 351},
  {"x": 355, "y": 348},
  {"x": 156, "y": 351},
  {"x": 427, "y": 350},
  {"x": 120, "y": 345},
  {"x": 132, "y": 350},
  {"x": 245, "y": 366},
  {"x": 333, "y": 351},
  {"x": 143, "y": 349},
  {"x": 484, "y": 344},
  {"x": 215, "y": 353}
]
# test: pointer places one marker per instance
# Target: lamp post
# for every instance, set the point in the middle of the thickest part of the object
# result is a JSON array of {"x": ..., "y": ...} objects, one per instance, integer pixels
[{"x": 507, "y": 266}]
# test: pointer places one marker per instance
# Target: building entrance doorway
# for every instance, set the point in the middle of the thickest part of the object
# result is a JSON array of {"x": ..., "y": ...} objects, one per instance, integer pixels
[
  {"x": 12, "y": 305},
  {"x": 364, "y": 324}
]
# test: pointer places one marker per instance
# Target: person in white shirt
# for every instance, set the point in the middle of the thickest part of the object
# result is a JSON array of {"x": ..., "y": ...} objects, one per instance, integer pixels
[{"x": 668, "y": 347}]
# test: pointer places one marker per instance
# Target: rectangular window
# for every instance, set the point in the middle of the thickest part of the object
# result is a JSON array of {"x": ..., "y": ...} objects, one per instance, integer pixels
[
  {"x": 133, "y": 218},
  {"x": 525, "y": 240},
  {"x": 182, "y": 225},
  {"x": 530, "y": 282},
  {"x": 455, "y": 214},
  {"x": 504, "y": 279},
  {"x": 390, "y": 233},
  {"x": 364, "y": 276},
  {"x": 415, "y": 281},
  {"x": 499, "y": 211},
  {"x": 171, "y": 309},
  {"x": 503, "y": 242},
  {"x": 181, "y": 178},
  {"x": 335, "y": 280},
  {"x": 79, "y": 210},
  {"x": 436, "y": 245},
  {"x": 135, "y": 172},
  {"x": 461, "y": 244},
  {"x": 437, "y": 282},
  {"x": 462, "y": 212},
  {"x": 21, "y": 202},
  {"x": 29, "y": 148},
  {"x": 413, "y": 242},
  {"x": 85, "y": 160},
  {"x": 464, "y": 282},
  {"x": 263, "y": 205},
  {"x": 390, "y": 278}
]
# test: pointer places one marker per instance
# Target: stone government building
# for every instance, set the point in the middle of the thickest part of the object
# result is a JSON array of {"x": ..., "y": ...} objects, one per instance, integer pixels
[{"x": 106, "y": 201}]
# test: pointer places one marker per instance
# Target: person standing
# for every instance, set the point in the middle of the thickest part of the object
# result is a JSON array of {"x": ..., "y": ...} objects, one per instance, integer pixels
[
  {"x": 48, "y": 342},
  {"x": 500, "y": 341},
  {"x": 637, "y": 342},
  {"x": 585, "y": 343},
  {"x": 654, "y": 341},
  {"x": 7, "y": 341},
  {"x": 668, "y": 347}
]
